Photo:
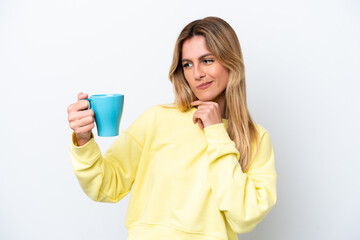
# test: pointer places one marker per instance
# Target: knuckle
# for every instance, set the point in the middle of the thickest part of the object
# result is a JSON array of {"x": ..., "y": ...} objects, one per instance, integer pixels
[
  {"x": 70, "y": 108},
  {"x": 80, "y": 101},
  {"x": 73, "y": 126},
  {"x": 77, "y": 107},
  {"x": 81, "y": 104},
  {"x": 89, "y": 119},
  {"x": 71, "y": 117}
]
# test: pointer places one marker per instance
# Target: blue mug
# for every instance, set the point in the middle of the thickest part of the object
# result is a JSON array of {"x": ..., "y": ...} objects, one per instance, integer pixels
[{"x": 108, "y": 110}]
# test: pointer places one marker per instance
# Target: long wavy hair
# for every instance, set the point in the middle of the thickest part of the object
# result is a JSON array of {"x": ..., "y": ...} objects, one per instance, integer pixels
[{"x": 222, "y": 42}]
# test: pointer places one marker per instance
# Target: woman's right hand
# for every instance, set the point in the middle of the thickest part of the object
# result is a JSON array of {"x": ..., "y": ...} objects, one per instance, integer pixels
[{"x": 81, "y": 119}]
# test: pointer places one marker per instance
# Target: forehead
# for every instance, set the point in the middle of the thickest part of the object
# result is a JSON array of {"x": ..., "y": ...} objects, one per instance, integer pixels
[{"x": 194, "y": 47}]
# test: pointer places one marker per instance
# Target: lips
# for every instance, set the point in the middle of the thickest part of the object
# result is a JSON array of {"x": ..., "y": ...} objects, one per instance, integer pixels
[{"x": 205, "y": 85}]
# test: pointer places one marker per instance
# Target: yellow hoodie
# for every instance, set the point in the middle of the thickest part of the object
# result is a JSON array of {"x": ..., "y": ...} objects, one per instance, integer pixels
[{"x": 186, "y": 182}]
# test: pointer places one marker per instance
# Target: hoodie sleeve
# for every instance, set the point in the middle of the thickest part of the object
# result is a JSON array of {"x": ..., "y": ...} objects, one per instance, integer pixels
[
  {"x": 244, "y": 197},
  {"x": 109, "y": 177},
  {"x": 106, "y": 178}
]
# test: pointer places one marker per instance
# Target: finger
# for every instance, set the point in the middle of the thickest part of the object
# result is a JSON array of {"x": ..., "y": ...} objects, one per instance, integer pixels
[
  {"x": 204, "y": 106},
  {"x": 84, "y": 104},
  {"x": 208, "y": 108},
  {"x": 84, "y": 129},
  {"x": 77, "y": 115},
  {"x": 197, "y": 120},
  {"x": 203, "y": 112},
  {"x": 198, "y": 115},
  {"x": 200, "y": 123},
  {"x": 198, "y": 102},
  {"x": 82, "y": 95},
  {"x": 75, "y": 125},
  {"x": 89, "y": 120},
  {"x": 78, "y": 106}
]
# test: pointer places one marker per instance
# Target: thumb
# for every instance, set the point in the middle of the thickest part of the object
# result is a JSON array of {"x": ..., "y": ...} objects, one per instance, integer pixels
[{"x": 82, "y": 95}]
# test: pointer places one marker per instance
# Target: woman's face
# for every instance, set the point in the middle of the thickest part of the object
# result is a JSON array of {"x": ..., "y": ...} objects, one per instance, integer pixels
[{"x": 204, "y": 73}]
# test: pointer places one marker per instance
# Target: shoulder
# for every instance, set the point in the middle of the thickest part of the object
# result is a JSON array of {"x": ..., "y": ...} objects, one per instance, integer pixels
[
  {"x": 261, "y": 131},
  {"x": 262, "y": 153},
  {"x": 162, "y": 111},
  {"x": 155, "y": 119},
  {"x": 157, "y": 109},
  {"x": 154, "y": 114},
  {"x": 263, "y": 139}
]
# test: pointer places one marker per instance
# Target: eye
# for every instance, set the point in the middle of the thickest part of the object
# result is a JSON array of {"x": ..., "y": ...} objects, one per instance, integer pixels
[
  {"x": 208, "y": 61},
  {"x": 187, "y": 65}
]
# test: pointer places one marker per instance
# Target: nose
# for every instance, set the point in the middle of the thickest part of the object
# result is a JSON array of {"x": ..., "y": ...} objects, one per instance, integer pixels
[{"x": 198, "y": 72}]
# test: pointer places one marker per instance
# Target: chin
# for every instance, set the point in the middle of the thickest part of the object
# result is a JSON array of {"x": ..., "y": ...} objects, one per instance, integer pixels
[{"x": 206, "y": 98}]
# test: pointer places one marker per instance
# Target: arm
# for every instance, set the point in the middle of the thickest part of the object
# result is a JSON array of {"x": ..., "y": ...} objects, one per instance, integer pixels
[
  {"x": 244, "y": 198},
  {"x": 106, "y": 178}
]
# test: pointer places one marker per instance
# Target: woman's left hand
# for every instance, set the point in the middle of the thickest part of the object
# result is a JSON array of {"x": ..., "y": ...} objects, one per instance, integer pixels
[{"x": 207, "y": 113}]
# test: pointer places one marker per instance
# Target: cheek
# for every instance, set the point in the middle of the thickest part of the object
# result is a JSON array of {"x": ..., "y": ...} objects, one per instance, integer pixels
[
  {"x": 226, "y": 79},
  {"x": 188, "y": 79},
  {"x": 223, "y": 76}
]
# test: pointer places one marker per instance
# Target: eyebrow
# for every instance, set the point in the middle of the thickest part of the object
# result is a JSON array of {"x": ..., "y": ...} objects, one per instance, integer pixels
[{"x": 201, "y": 57}]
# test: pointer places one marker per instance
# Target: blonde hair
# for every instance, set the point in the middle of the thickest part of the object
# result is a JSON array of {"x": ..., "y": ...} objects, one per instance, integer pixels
[{"x": 221, "y": 40}]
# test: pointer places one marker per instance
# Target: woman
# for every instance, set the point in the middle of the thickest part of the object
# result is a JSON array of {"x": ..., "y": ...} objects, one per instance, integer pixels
[{"x": 200, "y": 169}]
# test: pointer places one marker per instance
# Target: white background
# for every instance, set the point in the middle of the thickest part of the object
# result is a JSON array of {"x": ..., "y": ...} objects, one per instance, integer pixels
[{"x": 302, "y": 63}]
